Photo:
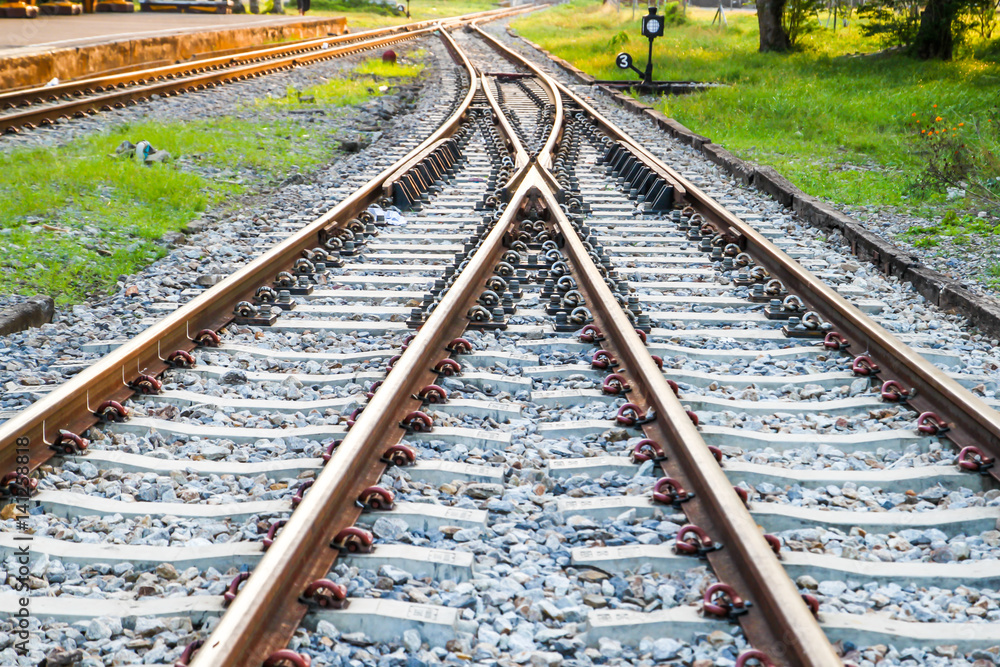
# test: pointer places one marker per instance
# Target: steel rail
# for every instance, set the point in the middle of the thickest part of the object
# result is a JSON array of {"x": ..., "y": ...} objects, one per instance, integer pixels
[
  {"x": 34, "y": 115},
  {"x": 544, "y": 156},
  {"x": 40, "y": 115},
  {"x": 301, "y": 553},
  {"x": 27, "y": 95},
  {"x": 779, "y": 622},
  {"x": 520, "y": 155},
  {"x": 25, "y": 439},
  {"x": 609, "y": 128},
  {"x": 971, "y": 422},
  {"x": 40, "y": 94}
]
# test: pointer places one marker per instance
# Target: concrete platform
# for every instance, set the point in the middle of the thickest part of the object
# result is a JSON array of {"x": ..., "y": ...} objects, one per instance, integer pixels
[{"x": 32, "y": 52}]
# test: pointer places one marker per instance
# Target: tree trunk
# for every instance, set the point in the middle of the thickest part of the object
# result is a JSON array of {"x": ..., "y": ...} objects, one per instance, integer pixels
[
  {"x": 772, "y": 36},
  {"x": 934, "y": 37}
]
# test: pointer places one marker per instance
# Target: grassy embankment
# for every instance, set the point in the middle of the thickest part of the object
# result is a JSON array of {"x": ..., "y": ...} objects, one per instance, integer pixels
[
  {"x": 72, "y": 218},
  {"x": 839, "y": 126}
]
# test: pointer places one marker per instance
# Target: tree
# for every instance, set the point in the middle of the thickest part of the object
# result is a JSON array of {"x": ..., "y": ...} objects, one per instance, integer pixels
[
  {"x": 772, "y": 34},
  {"x": 936, "y": 34},
  {"x": 931, "y": 32}
]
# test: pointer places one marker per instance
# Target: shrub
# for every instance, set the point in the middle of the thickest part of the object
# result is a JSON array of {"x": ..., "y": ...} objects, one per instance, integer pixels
[
  {"x": 962, "y": 158},
  {"x": 983, "y": 15},
  {"x": 801, "y": 17},
  {"x": 894, "y": 22}
]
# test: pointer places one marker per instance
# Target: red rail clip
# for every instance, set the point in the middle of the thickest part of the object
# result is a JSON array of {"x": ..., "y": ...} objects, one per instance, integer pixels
[
  {"x": 723, "y": 601},
  {"x": 759, "y": 657}
]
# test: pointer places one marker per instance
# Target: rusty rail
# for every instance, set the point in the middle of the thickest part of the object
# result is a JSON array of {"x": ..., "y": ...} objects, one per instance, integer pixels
[
  {"x": 267, "y": 611},
  {"x": 248, "y": 632},
  {"x": 970, "y": 422},
  {"x": 779, "y": 622},
  {"x": 27, "y": 438}
]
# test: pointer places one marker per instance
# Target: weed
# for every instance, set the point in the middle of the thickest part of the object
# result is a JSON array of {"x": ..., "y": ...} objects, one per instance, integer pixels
[
  {"x": 962, "y": 156},
  {"x": 618, "y": 40},
  {"x": 958, "y": 229},
  {"x": 359, "y": 86}
]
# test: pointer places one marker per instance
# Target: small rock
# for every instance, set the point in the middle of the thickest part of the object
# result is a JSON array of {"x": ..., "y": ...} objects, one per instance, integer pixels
[
  {"x": 62, "y": 658},
  {"x": 98, "y": 630},
  {"x": 550, "y": 610},
  {"x": 832, "y": 588},
  {"x": 356, "y": 639},
  {"x": 609, "y": 648},
  {"x": 147, "y": 626},
  {"x": 327, "y": 629},
  {"x": 411, "y": 641},
  {"x": 214, "y": 452},
  {"x": 388, "y": 528},
  {"x": 209, "y": 279},
  {"x": 615, "y": 435},
  {"x": 482, "y": 491},
  {"x": 720, "y": 638},
  {"x": 546, "y": 659},
  {"x": 466, "y": 535},
  {"x": 166, "y": 571},
  {"x": 174, "y": 238},
  {"x": 859, "y": 386},
  {"x": 235, "y": 376},
  {"x": 666, "y": 648},
  {"x": 397, "y": 575}
]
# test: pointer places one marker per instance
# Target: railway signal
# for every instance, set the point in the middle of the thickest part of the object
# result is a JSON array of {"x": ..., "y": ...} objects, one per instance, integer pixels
[{"x": 652, "y": 27}]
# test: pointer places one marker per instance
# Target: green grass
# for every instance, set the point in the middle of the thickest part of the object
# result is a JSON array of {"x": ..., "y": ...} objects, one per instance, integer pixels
[
  {"x": 835, "y": 125},
  {"x": 953, "y": 227},
  {"x": 72, "y": 218},
  {"x": 367, "y": 80},
  {"x": 993, "y": 275}
]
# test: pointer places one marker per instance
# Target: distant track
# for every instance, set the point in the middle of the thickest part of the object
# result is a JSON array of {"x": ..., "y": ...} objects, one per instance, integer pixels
[{"x": 28, "y": 108}]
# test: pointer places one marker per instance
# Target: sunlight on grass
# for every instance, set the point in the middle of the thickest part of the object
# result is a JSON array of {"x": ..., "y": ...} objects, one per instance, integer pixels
[{"x": 73, "y": 219}]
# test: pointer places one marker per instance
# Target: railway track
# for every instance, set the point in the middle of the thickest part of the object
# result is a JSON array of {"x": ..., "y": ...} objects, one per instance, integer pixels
[
  {"x": 572, "y": 409},
  {"x": 28, "y": 108}
]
